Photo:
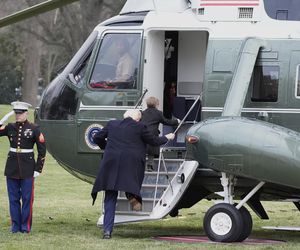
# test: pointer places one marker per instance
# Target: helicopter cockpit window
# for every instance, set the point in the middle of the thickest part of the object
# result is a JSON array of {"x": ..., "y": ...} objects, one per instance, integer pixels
[
  {"x": 117, "y": 63},
  {"x": 265, "y": 84},
  {"x": 77, "y": 76}
]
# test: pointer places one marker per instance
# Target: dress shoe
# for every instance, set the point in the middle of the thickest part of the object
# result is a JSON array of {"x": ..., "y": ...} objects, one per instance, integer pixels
[
  {"x": 136, "y": 205},
  {"x": 106, "y": 235},
  {"x": 149, "y": 168}
]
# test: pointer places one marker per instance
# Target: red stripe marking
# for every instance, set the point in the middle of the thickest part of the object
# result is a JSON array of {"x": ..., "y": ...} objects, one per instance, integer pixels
[
  {"x": 182, "y": 239},
  {"x": 230, "y": 1},
  {"x": 199, "y": 239},
  {"x": 229, "y": 4},
  {"x": 31, "y": 204}
]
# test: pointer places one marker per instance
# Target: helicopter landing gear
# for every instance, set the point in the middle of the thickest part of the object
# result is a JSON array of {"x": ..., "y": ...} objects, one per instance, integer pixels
[
  {"x": 228, "y": 222},
  {"x": 174, "y": 213},
  {"x": 223, "y": 223},
  {"x": 247, "y": 224}
]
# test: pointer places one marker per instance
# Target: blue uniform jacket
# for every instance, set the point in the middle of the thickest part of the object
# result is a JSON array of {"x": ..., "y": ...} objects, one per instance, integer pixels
[{"x": 23, "y": 135}]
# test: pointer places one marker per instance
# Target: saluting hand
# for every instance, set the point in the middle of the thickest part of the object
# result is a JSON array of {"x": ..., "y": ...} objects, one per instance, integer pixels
[{"x": 6, "y": 117}]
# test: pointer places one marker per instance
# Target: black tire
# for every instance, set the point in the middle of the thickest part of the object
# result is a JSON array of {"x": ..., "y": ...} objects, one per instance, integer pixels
[
  {"x": 223, "y": 223},
  {"x": 247, "y": 224},
  {"x": 174, "y": 213}
]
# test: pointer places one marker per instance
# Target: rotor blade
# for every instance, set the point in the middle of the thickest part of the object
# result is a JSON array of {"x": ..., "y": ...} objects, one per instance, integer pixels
[{"x": 33, "y": 11}]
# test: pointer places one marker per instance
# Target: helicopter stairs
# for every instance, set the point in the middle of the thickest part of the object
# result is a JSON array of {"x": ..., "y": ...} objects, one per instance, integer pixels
[{"x": 161, "y": 190}]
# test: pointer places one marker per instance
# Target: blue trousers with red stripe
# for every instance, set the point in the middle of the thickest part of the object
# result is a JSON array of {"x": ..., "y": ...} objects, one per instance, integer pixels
[{"x": 20, "y": 213}]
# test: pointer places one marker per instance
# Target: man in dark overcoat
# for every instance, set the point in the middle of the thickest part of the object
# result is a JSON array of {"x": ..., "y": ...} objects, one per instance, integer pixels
[
  {"x": 152, "y": 117},
  {"x": 21, "y": 167},
  {"x": 123, "y": 165}
]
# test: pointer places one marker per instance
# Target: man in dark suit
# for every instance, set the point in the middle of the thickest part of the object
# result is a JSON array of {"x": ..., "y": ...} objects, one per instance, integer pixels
[
  {"x": 21, "y": 167},
  {"x": 123, "y": 165},
  {"x": 152, "y": 117}
]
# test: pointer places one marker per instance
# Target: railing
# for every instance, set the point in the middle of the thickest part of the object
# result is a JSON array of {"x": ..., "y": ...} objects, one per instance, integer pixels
[{"x": 162, "y": 158}]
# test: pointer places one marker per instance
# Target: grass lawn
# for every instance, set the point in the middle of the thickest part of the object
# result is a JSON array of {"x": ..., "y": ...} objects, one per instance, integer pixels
[{"x": 63, "y": 218}]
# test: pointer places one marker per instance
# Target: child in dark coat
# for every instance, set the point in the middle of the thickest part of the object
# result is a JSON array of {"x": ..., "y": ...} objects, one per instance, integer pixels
[{"x": 152, "y": 117}]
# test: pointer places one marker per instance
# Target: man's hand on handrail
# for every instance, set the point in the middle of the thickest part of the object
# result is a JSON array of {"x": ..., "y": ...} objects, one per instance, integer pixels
[{"x": 170, "y": 136}]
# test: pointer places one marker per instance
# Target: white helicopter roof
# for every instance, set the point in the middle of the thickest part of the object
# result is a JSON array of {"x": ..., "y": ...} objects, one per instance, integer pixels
[
  {"x": 155, "y": 5},
  {"x": 229, "y": 19}
]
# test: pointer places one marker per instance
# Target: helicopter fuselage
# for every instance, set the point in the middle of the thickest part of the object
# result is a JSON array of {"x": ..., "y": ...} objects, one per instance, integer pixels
[
  {"x": 178, "y": 52},
  {"x": 205, "y": 51}
]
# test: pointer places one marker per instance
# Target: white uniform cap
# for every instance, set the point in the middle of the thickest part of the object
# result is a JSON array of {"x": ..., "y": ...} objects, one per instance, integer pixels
[{"x": 20, "y": 105}]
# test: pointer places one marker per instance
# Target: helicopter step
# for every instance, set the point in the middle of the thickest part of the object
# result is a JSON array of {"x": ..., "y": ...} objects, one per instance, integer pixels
[{"x": 161, "y": 190}]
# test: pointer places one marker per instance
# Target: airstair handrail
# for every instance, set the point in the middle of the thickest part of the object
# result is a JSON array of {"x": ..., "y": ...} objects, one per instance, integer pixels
[
  {"x": 157, "y": 176},
  {"x": 161, "y": 159},
  {"x": 139, "y": 102},
  {"x": 161, "y": 156}
]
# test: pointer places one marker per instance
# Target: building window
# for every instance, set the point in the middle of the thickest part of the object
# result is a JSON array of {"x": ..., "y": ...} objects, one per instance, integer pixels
[{"x": 265, "y": 81}]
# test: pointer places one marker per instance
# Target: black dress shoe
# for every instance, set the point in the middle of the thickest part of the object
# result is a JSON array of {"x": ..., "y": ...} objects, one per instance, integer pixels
[
  {"x": 106, "y": 235},
  {"x": 149, "y": 168}
]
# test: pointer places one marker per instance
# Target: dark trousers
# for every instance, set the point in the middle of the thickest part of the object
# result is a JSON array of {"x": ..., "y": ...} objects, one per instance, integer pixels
[
  {"x": 110, "y": 201},
  {"x": 21, "y": 215}
]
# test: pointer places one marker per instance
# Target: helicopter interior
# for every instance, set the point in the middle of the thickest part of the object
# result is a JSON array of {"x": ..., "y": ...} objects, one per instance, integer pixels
[{"x": 182, "y": 77}]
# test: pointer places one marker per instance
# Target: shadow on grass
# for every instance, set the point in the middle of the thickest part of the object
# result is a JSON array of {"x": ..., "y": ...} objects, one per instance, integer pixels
[{"x": 147, "y": 231}]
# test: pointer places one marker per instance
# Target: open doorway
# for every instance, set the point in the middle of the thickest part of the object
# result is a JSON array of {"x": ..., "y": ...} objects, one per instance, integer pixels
[
  {"x": 174, "y": 72},
  {"x": 184, "y": 68}
]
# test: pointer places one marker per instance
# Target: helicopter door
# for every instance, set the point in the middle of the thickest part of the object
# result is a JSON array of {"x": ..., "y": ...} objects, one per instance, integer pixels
[
  {"x": 185, "y": 58},
  {"x": 292, "y": 117}
]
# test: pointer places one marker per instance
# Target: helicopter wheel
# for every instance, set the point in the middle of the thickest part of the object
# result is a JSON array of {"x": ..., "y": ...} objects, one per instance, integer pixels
[
  {"x": 247, "y": 224},
  {"x": 174, "y": 213},
  {"x": 223, "y": 223}
]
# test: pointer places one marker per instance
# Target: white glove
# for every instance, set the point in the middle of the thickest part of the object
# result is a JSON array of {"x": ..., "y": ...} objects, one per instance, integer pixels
[
  {"x": 6, "y": 117},
  {"x": 36, "y": 174},
  {"x": 178, "y": 121}
]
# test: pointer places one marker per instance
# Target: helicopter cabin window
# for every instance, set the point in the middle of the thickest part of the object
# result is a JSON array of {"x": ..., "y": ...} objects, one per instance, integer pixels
[
  {"x": 283, "y": 9},
  {"x": 298, "y": 82},
  {"x": 265, "y": 84},
  {"x": 117, "y": 63}
]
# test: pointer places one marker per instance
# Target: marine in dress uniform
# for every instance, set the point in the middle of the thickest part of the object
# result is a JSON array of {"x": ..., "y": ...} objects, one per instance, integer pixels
[{"x": 21, "y": 167}]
